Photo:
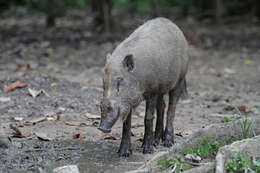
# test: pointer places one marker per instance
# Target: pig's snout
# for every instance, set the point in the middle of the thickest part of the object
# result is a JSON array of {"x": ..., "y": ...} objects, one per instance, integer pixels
[
  {"x": 105, "y": 127},
  {"x": 111, "y": 118}
]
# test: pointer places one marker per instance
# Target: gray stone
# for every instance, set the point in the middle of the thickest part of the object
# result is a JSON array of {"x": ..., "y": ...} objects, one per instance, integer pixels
[{"x": 67, "y": 169}]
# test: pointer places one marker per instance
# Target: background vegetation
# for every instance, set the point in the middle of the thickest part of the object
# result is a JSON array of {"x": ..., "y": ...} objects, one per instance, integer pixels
[{"x": 218, "y": 11}]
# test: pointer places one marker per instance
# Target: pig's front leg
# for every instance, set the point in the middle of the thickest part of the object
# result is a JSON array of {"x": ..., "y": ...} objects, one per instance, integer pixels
[
  {"x": 148, "y": 124},
  {"x": 125, "y": 146}
]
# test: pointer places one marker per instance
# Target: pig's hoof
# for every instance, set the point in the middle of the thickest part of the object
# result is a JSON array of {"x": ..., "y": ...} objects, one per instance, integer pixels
[
  {"x": 148, "y": 149},
  {"x": 124, "y": 151},
  {"x": 157, "y": 139},
  {"x": 168, "y": 140},
  {"x": 168, "y": 143}
]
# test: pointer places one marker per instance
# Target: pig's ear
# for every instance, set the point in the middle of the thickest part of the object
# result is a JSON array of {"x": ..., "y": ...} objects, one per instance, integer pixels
[
  {"x": 128, "y": 62},
  {"x": 108, "y": 57}
]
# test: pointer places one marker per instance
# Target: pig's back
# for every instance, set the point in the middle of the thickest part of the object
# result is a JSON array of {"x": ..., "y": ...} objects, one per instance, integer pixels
[{"x": 160, "y": 54}]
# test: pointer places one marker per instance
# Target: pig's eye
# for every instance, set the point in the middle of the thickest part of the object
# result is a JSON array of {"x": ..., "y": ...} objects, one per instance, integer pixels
[{"x": 119, "y": 80}]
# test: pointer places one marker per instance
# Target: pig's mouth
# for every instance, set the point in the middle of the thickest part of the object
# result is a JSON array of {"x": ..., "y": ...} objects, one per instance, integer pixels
[
  {"x": 104, "y": 130},
  {"x": 105, "y": 126}
]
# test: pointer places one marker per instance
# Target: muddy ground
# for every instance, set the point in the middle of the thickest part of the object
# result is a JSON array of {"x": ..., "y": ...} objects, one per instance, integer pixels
[{"x": 66, "y": 62}]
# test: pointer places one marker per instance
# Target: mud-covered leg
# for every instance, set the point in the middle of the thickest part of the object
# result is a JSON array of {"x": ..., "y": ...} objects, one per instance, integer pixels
[
  {"x": 148, "y": 124},
  {"x": 174, "y": 96},
  {"x": 125, "y": 146},
  {"x": 160, "y": 106}
]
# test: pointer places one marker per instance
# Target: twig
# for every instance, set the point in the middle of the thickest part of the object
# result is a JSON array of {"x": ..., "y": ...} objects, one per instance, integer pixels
[{"x": 11, "y": 51}]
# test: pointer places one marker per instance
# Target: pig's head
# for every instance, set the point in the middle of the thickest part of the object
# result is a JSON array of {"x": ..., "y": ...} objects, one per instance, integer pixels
[{"x": 121, "y": 91}]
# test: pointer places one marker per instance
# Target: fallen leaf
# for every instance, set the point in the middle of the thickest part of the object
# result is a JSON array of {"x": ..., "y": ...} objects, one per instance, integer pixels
[
  {"x": 219, "y": 74},
  {"x": 204, "y": 106},
  {"x": 59, "y": 159},
  {"x": 110, "y": 137},
  {"x": 17, "y": 118},
  {"x": 132, "y": 134},
  {"x": 22, "y": 67},
  {"x": 230, "y": 71},
  {"x": 229, "y": 108},
  {"x": 58, "y": 113},
  {"x": 204, "y": 117},
  {"x": 248, "y": 62},
  {"x": 140, "y": 139},
  {"x": 53, "y": 84},
  {"x": 19, "y": 124},
  {"x": 35, "y": 93},
  {"x": 191, "y": 119},
  {"x": 13, "y": 86},
  {"x": 19, "y": 132},
  {"x": 193, "y": 157},
  {"x": 92, "y": 116},
  {"x": 5, "y": 99},
  {"x": 36, "y": 120},
  {"x": 43, "y": 136},
  {"x": 95, "y": 123},
  {"x": 244, "y": 109},
  {"x": 191, "y": 46},
  {"x": 84, "y": 81},
  {"x": 76, "y": 123},
  {"x": 67, "y": 62},
  {"x": 50, "y": 118},
  {"x": 78, "y": 136},
  {"x": 179, "y": 134}
]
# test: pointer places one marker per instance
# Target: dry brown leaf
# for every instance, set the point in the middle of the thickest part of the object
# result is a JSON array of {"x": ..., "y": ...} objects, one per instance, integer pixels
[
  {"x": 92, "y": 116},
  {"x": 110, "y": 137},
  {"x": 43, "y": 136},
  {"x": 17, "y": 118},
  {"x": 95, "y": 123},
  {"x": 36, "y": 120},
  {"x": 204, "y": 117},
  {"x": 58, "y": 113},
  {"x": 219, "y": 74},
  {"x": 19, "y": 124},
  {"x": 22, "y": 67},
  {"x": 14, "y": 85},
  {"x": 78, "y": 136},
  {"x": 50, "y": 118},
  {"x": 244, "y": 109},
  {"x": 76, "y": 123},
  {"x": 132, "y": 134},
  {"x": 19, "y": 132}
]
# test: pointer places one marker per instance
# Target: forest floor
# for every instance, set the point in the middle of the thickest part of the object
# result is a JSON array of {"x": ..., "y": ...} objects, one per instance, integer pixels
[{"x": 59, "y": 127}]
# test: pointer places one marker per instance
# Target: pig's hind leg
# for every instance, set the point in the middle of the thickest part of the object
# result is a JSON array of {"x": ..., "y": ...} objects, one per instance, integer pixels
[
  {"x": 160, "y": 106},
  {"x": 174, "y": 95},
  {"x": 125, "y": 146},
  {"x": 148, "y": 124}
]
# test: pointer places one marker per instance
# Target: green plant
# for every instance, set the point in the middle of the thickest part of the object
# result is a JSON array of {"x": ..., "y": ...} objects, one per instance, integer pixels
[
  {"x": 237, "y": 163},
  {"x": 256, "y": 165},
  {"x": 206, "y": 148},
  {"x": 226, "y": 119},
  {"x": 166, "y": 162},
  {"x": 245, "y": 127}
]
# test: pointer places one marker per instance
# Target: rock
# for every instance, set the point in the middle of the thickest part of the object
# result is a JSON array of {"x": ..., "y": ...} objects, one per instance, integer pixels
[
  {"x": 67, "y": 169},
  {"x": 193, "y": 157},
  {"x": 4, "y": 143},
  {"x": 247, "y": 147}
]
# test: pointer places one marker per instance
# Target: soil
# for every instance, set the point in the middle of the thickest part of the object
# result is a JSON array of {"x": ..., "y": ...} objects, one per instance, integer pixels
[{"x": 66, "y": 62}]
